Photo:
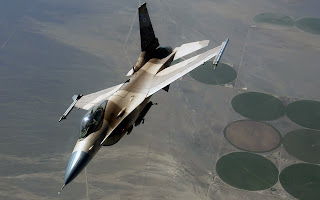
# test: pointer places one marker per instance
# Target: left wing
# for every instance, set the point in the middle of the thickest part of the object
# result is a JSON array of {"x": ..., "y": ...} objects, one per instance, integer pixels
[{"x": 174, "y": 72}]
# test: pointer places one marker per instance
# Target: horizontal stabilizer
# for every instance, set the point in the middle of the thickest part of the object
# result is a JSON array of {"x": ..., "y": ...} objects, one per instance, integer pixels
[
  {"x": 188, "y": 48},
  {"x": 130, "y": 72}
]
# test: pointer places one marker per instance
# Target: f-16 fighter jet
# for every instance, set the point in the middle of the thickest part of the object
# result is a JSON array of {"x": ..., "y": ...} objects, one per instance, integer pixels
[{"x": 114, "y": 111}]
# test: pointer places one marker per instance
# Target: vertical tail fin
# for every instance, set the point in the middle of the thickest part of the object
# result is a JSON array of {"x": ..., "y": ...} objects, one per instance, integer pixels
[{"x": 149, "y": 42}]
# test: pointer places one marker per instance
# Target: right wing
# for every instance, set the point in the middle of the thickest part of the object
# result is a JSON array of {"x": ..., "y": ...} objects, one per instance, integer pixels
[
  {"x": 174, "y": 72},
  {"x": 86, "y": 102},
  {"x": 181, "y": 51}
]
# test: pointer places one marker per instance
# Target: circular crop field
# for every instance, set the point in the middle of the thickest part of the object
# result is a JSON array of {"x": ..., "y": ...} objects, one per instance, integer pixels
[
  {"x": 221, "y": 75},
  {"x": 303, "y": 144},
  {"x": 247, "y": 171},
  {"x": 252, "y": 136},
  {"x": 310, "y": 25},
  {"x": 273, "y": 20},
  {"x": 305, "y": 113},
  {"x": 258, "y": 106},
  {"x": 301, "y": 181}
]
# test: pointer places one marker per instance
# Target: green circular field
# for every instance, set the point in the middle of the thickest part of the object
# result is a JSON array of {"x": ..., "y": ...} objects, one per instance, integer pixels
[
  {"x": 247, "y": 171},
  {"x": 301, "y": 181},
  {"x": 305, "y": 113},
  {"x": 206, "y": 73},
  {"x": 303, "y": 144},
  {"x": 252, "y": 136},
  {"x": 310, "y": 25},
  {"x": 273, "y": 20},
  {"x": 258, "y": 106}
]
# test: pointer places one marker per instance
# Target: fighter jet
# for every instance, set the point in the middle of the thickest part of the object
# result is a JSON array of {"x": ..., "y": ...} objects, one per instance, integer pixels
[{"x": 114, "y": 111}]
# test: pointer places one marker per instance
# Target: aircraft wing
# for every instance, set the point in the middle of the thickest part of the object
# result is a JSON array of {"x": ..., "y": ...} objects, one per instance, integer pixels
[
  {"x": 174, "y": 72},
  {"x": 86, "y": 102}
]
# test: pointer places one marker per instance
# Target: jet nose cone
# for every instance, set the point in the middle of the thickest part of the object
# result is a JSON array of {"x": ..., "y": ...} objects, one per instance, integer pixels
[{"x": 77, "y": 162}]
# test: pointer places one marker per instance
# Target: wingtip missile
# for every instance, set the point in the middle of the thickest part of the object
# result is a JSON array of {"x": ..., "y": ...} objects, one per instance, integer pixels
[
  {"x": 218, "y": 57},
  {"x": 66, "y": 113}
]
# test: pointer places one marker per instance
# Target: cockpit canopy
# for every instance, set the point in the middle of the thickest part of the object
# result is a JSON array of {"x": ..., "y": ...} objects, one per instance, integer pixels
[{"x": 92, "y": 121}]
